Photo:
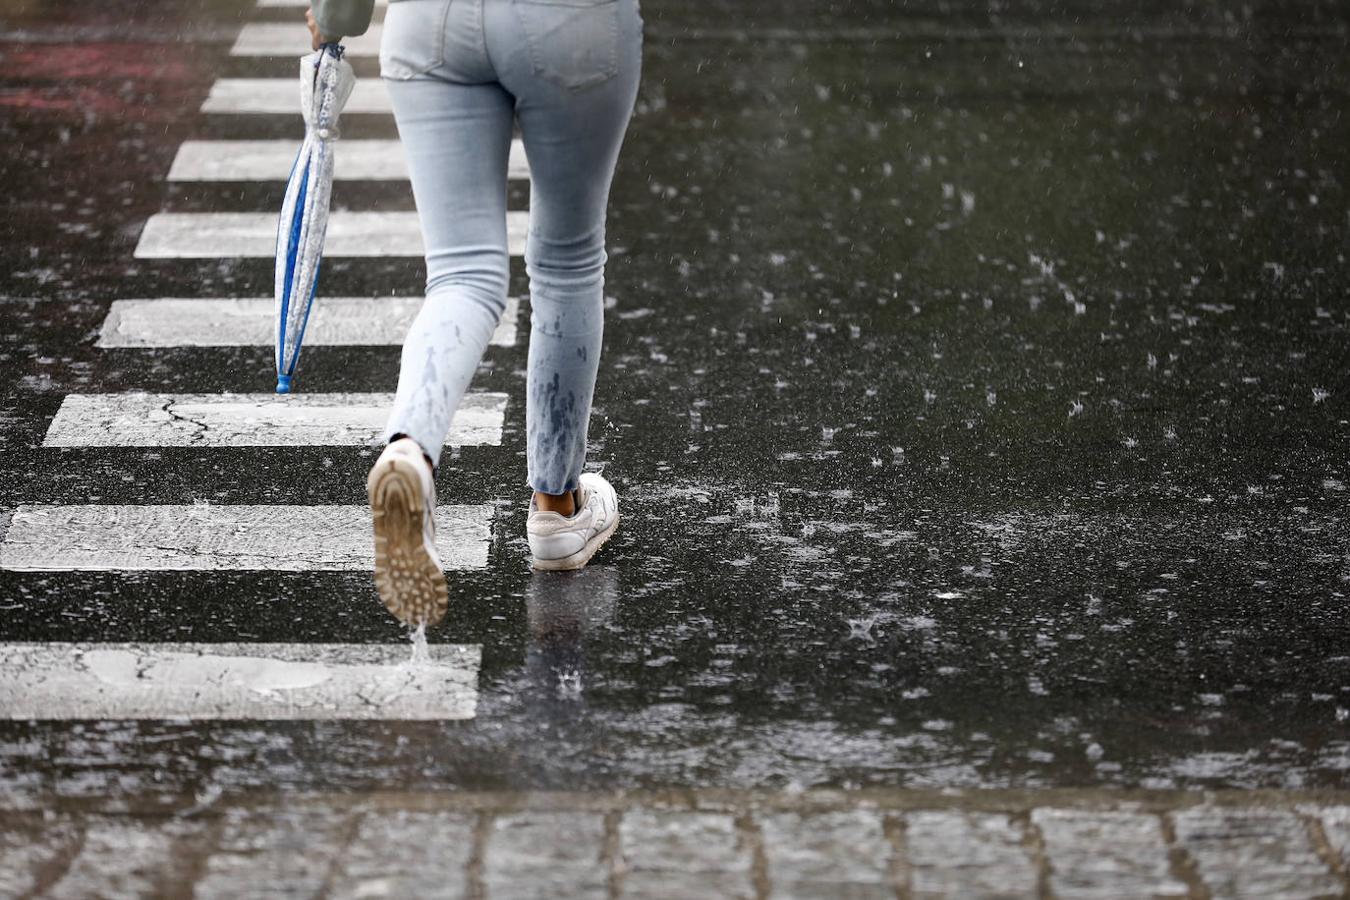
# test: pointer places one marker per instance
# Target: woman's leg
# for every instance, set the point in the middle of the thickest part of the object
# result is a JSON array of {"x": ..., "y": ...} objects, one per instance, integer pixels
[
  {"x": 572, "y": 137},
  {"x": 456, "y": 138}
]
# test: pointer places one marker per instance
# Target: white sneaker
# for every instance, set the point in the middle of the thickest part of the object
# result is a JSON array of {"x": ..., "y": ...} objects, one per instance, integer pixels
[
  {"x": 408, "y": 572},
  {"x": 568, "y": 542}
]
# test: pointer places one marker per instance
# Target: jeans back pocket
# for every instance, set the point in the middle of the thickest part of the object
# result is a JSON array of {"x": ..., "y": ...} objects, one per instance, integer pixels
[
  {"x": 574, "y": 43},
  {"x": 414, "y": 38}
]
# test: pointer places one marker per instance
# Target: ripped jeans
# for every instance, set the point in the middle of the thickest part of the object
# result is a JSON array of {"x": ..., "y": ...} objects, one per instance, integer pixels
[{"x": 459, "y": 74}]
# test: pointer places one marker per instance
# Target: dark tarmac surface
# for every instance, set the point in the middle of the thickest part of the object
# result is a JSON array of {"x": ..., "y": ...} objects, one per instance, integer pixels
[{"x": 975, "y": 388}]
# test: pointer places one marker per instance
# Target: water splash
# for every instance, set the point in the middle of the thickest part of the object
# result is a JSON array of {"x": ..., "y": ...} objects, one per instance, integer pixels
[
  {"x": 421, "y": 653},
  {"x": 861, "y": 629},
  {"x": 569, "y": 685}
]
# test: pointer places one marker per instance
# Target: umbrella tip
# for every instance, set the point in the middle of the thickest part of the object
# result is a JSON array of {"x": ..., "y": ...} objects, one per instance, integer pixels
[{"x": 283, "y": 384}]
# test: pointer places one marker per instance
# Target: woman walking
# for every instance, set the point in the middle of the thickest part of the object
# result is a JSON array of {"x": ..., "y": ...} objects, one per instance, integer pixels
[{"x": 460, "y": 73}]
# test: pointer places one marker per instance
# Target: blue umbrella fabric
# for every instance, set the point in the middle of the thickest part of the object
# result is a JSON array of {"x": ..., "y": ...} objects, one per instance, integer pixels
[{"x": 326, "y": 81}]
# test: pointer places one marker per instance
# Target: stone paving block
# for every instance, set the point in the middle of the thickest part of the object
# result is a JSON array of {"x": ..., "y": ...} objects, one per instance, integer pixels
[
  {"x": 29, "y": 848},
  {"x": 1336, "y": 825},
  {"x": 1106, "y": 854},
  {"x": 546, "y": 855},
  {"x": 968, "y": 855},
  {"x": 671, "y": 854},
  {"x": 273, "y": 853},
  {"x": 1255, "y": 853},
  {"x": 127, "y": 859},
  {"x": 827, "y": 855},
  {"x": 407, "y": 854}
]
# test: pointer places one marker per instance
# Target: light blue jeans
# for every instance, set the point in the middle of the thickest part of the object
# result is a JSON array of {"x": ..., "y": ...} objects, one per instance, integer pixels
[{"x": 459, "y": 74}]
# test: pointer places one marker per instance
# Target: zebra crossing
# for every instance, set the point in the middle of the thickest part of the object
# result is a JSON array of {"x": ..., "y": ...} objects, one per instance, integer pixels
[
  {"x": 56, "y": 681},
  {"x": 301, "y": 4},
  {"x": 270, "y": 160},
  {"x": 203, "y": 235},
  {"x": 235, "y": 681},
  {"x": 143, "y": 419},
  {"x": 278, "y": 39},
  {"x": 252, "y": 96},
  {"x": 249, "y": 321},
  {"x": 216, "y": 537}
]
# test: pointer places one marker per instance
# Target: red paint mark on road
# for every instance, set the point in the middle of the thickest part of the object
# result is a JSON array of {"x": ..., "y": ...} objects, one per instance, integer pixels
[{"x": 102, "y": 61}]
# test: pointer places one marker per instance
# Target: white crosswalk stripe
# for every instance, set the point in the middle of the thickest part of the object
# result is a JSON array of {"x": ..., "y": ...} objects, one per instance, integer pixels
[
  {"x": 233, "y": 234},
  {"x": 64, "y": 681},
  {"x": 250, "y": 321},
  {"x": 282, "y": 96},
  {"x": 301, "y": 4},
  {"x": 138, "y": 419},
  {"x": 355, "y": 160},
  {"x": 218, "y": 537},
  {"x": 292, "y": 39}
]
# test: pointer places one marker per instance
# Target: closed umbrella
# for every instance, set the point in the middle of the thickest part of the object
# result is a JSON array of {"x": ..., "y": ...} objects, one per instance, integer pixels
[{"x": 326, "y": 81}]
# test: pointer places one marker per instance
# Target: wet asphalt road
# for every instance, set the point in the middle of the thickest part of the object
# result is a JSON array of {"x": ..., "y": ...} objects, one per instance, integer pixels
[{"x": 975, "y": 388}]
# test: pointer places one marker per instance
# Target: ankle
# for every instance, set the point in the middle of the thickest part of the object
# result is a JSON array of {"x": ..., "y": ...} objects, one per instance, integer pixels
[{"x": 565, "y": 505}]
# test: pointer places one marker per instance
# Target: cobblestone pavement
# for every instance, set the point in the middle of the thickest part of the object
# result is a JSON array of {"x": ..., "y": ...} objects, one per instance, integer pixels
[{"x": 694, "y": 844}]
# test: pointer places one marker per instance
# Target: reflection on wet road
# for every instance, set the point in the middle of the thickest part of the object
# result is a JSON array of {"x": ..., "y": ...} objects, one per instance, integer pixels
[
  {"x": 562, "y": 611},
  {"x": 974, "y": 385}
]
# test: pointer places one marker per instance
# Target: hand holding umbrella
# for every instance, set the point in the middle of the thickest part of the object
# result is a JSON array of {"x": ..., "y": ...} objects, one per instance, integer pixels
[
  {"x": 316, "y": 37},
  {"x": 326, "y": 81}
]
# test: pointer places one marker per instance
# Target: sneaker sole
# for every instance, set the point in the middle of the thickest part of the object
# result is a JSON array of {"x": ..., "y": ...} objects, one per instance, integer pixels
[
  {"x": 582, "y": 556},
  {"x": 409, "y": 580}
]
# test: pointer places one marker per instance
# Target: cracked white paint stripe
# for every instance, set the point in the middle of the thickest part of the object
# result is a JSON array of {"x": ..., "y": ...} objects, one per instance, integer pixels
[
  {"x": 248, "y": 96},
  {"x": 251, "y": 321},
  {"x": 216, "y": 537},
  {"x": 354, "y": 160},
  {"x": 140, "y": 419},
  {"x": 59, "y": 681},
  {"x": 366, "y": 234},
  {"x": 292, "y": 40}
]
